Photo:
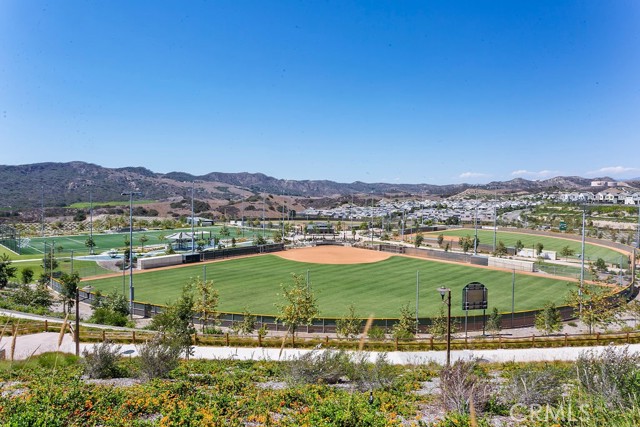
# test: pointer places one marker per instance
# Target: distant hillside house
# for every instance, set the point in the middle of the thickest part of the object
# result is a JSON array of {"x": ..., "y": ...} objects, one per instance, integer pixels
[
  {"x": 320, "y": 228},
  {"x": 604, "y": 184},
  {"x": 612, "y": 195},
  {"x": 197, "y": 220}
]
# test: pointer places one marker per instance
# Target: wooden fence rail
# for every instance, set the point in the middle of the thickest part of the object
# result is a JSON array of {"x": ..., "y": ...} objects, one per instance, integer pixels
[{"x": 418, "y": 344}]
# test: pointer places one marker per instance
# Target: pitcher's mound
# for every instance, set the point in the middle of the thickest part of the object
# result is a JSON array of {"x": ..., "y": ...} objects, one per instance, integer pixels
[{"x": 334, "y": 255}]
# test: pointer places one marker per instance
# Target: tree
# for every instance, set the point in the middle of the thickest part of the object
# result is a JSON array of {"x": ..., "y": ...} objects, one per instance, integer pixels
[
  {"x": 49, "y": 262},
  {"x": 175, "y": 323},
  {"x": 26, "y": 275},
  {"x": 519, "y": 246},
  {"x": 261, "y": 240},
  {"x": 466, "y": 243},
  {"x": 90, "y": 243},
  {"x": 494, "y": 323},
  {"x": 440, "y": 239},
  {"x": 438, "y": 326},
  {"x": 247, "y": 325},
  {"x": 68, "y": 290},
  {"x": 548, "y": 319},
  {"x": 566, "y": 252},
  {"x": 419, "y": 239},
  {"x": 501, "y": 249},
  {"x": 143, "y": 239},
  {"x": 539, "y": 248},
  {"x": 594, "y": 306},
  {"x": 349, "y": 325},
  {"x": 405, "y": 328},
  {"x": 600, "y": 265},
  {"x": 206, "y": 301},
  {"x": 300, "y": 306}
]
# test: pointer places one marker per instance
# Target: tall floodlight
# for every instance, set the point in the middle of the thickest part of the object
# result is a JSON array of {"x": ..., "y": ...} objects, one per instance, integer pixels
[
  {"x": 131, "y": 194},
  {"x": 192, "y": 219},
  {"x": 91, "y": 222},
  {"x": 584, "y": 213}
]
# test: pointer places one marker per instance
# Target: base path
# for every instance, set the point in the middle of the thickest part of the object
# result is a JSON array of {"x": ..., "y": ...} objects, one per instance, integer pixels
[{"x": 332, "y": 254}]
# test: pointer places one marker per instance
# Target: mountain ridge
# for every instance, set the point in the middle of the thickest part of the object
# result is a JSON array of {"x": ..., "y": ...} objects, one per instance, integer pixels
[{"x": 61, "y": 184}]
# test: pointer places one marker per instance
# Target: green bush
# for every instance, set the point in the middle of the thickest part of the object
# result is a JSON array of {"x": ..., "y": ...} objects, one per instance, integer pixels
[
  {"x": 101, "y": 361},
  {"x": 158, "y": 357}
]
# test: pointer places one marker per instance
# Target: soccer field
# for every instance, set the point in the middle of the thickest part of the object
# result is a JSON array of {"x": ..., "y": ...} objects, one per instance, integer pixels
[
  {"x": 105, "y": 242},
  {"x": 379, "y": 288},
  {"x": 592, "y": 252}
]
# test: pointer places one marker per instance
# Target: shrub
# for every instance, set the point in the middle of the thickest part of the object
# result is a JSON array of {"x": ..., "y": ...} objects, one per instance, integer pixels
[
  {"x": 158, "y": 357},
  {"x": 101, "y": 361},
  {"x": 613, "y": 376},
  {"x": 376, "y": 333},
  {"x": 460, "y": 384},
  {"x": 104, "y": 316},
  {"x": 529, "y": 386},
  {"x": 325, "y": 367}
]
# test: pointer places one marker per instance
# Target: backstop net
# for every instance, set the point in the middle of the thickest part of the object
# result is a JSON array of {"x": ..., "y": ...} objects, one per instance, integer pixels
[{"x": 10, "y": 238}]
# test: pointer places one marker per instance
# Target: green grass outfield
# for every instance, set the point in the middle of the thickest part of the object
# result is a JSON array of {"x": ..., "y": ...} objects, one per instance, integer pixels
[
  {"x": 592, "y": 252},
  {"x": 379, "y": 288}
]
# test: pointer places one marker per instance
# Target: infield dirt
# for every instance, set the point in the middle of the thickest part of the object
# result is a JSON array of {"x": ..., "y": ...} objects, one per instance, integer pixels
[{"x": 331, "y": 254}]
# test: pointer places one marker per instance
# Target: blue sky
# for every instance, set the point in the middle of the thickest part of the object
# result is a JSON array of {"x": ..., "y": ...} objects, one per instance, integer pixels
[{"x": 375, "y": 91}]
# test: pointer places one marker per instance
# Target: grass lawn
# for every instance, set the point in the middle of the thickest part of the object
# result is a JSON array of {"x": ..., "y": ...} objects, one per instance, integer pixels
[
  {"x": 378, "y": 288},
  {"x": 84, "y": 268},
  {"x": 104, "y": 242},
  {"x": 592, "y": 252}
]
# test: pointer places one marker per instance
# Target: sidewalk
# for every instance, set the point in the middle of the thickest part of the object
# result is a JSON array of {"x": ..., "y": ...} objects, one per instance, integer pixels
[{"x": 28, "y": 345}]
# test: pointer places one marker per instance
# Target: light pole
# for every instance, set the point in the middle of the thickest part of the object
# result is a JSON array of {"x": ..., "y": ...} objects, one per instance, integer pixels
[
  {"x": 91, "y": 222},
  {"x": 446, "y": 291},
  {"x": 131, "y": 194},
  {"x": 192, "y": 219}
]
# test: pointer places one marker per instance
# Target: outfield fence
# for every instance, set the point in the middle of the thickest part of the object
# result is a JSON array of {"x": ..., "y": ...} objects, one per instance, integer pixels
[{"x": 325, "y": 325}]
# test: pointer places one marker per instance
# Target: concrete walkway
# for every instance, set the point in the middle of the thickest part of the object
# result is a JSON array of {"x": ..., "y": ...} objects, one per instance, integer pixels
[{"x": 28, "y": 345}]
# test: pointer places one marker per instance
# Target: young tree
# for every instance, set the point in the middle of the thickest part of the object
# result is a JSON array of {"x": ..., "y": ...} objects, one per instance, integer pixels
[
  {"x": 595, "y": 306},
  {"x": 206, "y": 301},
  {"x": 68, "y": 290},
  {"x": 26, "y": 275},
  {"x": 419, "y": 239},
  {"x": 438, "y": 326},
  {"x": 566, "y": 252},
  {"x": 494, "y": 323},
  {"x": 49, "y": 262},
  {"x": 519, "y": 246},
  {"x": 247, "y": 325},
  {"x": 440, "y": 239},
  {"x": 350, "y": 324},
  {"x": 300, "y": 306},
  {"x": 405, "y": 328},
  {"x": 600, "y": 265},
  {"x": 539, "y": 248},
  {"x": 90, "y": 243},
  {"x": 143, "y": 239},
  {"x": 175, "y": 323},
  {"x": 548, "y": 319},
  {"x": 260, "y": 240},
  {"x": 501, "y": 249},
  {"x": 466, "y": 243},
  {"x": 7, "y": 271}
]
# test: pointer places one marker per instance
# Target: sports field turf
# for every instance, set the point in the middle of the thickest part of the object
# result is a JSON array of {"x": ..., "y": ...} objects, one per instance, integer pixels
[
  {"x": 378, "y": 288},
  {"x": 592, "y": 252},
  {"x": 105, "y": 242}
]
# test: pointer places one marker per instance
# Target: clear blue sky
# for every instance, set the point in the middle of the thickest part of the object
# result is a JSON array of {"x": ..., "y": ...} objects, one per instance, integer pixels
[{"x": 376, "y": 91}]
